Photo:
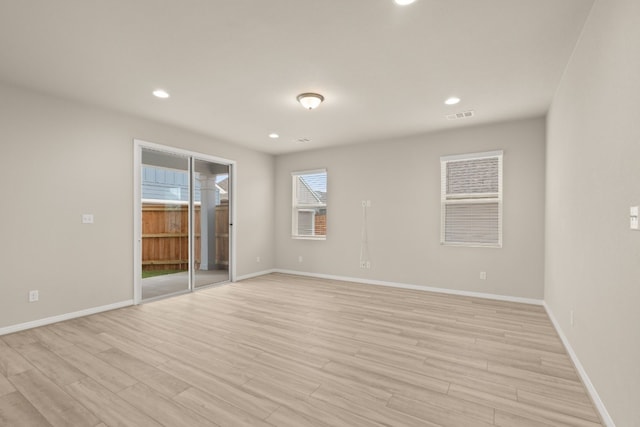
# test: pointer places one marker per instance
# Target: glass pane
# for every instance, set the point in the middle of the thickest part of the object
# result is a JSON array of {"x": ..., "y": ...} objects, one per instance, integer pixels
[
  {"x": 211, "y": 223},
  {"x": 305, "y": 222},
  {"x": 165, "y": 224},
  {"x": 473, "y": 176},
  {"x": 312, "y": 222},
  {"x": 473, "y": 223},
  {"x": 311, "y": 189}
]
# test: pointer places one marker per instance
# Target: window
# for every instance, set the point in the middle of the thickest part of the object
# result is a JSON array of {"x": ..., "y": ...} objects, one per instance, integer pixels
[
  {"x": 471, "y": 199},
  {"x": 309, "y": 220}
]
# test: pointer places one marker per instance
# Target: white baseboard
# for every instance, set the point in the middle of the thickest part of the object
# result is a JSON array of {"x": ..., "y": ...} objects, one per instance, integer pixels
[
  {"x": 61, "y": 317},
  {"x": 252, "y": 275},
  {"x": 606, "y": 418},
  {"x": 414, "y": 287}
]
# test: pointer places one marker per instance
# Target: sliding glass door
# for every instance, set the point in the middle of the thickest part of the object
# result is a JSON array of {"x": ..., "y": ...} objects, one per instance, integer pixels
[
  {"x": 211, "y": 222},
  {"x": 165, "y": 223},
  {"x": 183, "y": 221}
]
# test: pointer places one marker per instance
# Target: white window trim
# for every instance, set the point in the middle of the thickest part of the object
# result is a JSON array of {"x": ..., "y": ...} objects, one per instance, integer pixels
[
  {"x": 471, "y": 198},
  {"x": 303, "y": 207}
]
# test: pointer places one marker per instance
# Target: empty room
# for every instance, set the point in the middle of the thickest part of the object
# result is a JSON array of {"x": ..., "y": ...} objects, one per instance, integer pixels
[{"x": 320, "y": 213}]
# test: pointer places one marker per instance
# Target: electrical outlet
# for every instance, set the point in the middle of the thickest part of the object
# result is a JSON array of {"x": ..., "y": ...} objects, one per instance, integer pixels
[
  {"x": 87, "y": 218},
  {"x": 633, "y": 217},
  {"x": 34, "y": 296},
  {"x": 300, "y": 258},
  {"x": 363, "y": 264},
  {"x": 367, "y": 264},
  {"x": 483, "y": 275},
  {"x": 257, "y": 259}
]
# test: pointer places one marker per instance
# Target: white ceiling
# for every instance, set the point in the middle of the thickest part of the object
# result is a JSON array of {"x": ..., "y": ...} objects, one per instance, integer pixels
[{"x": 234, "y": 67}]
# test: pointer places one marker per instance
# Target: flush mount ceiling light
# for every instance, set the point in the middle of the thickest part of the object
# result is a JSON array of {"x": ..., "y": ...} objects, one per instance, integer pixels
[
  {"x": 274, "y": 135},
  {"x": 160, "y": 93},
  {"x": 452, "y": 101},
  {"x": 310, "y": 100},
  {"x": 404, "y": 2}
]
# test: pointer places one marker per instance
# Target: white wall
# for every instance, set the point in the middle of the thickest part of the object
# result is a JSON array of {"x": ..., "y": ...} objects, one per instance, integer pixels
[
  {"x": 402, "y": 179},
  {"x": 593, "y": 177},
  {"x": 60, "y": 159}
]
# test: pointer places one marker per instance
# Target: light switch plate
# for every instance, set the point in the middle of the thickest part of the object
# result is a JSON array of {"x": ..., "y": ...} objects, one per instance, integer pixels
[{"x": 633, "y": 217}]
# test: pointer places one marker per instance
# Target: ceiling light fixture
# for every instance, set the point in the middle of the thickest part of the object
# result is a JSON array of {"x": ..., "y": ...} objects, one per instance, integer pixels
[
  {"x": 404, "y": 2},
  {"x": 310, "y": 100},
  {"x": 452, "y": 101},
  {"x": 274, "y": 135},
  {"x": 160, "y": 93}
]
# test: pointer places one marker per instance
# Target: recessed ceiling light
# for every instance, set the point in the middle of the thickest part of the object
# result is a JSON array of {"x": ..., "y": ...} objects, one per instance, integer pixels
[
  {"x": 452, "y": 101},
  {"x": 160, "y": 93},
  {"x": 274, "y": 135},
  {"x": 404, "y": 2}
]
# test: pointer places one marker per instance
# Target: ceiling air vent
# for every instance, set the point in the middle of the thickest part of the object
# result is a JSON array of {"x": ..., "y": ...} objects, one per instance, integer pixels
[
  {"x": 302, "y": 140},
  {"x": 462, "y": 115}
]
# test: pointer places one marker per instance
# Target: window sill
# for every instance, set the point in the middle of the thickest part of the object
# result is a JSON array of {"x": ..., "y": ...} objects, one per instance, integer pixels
[
  {"x": 309, "y": 237},
  {"x": 472, "y": 245}
]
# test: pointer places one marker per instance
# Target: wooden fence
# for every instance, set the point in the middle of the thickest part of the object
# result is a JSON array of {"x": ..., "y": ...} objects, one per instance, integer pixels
[{"x": 165, "y": 236}]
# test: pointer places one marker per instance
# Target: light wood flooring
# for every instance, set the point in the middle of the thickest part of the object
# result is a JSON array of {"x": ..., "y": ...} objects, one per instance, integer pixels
[{"x": 289, "y": 351}]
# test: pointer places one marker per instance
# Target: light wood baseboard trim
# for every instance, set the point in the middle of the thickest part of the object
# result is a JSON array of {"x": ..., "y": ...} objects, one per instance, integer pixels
[
  {"x": 599, "y": 404},
  {"x": 59, "y": 318},
  {"x": 414, "y": 287}
]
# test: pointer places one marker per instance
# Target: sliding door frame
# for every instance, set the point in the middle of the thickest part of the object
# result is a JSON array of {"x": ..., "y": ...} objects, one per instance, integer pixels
[{"x": 138, "y": 146}]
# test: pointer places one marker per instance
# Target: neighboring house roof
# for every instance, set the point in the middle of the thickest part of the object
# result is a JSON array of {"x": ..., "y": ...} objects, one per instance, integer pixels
[
  {"x": 307, "y": 195},
  {"x": 166, "y": 184}
]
